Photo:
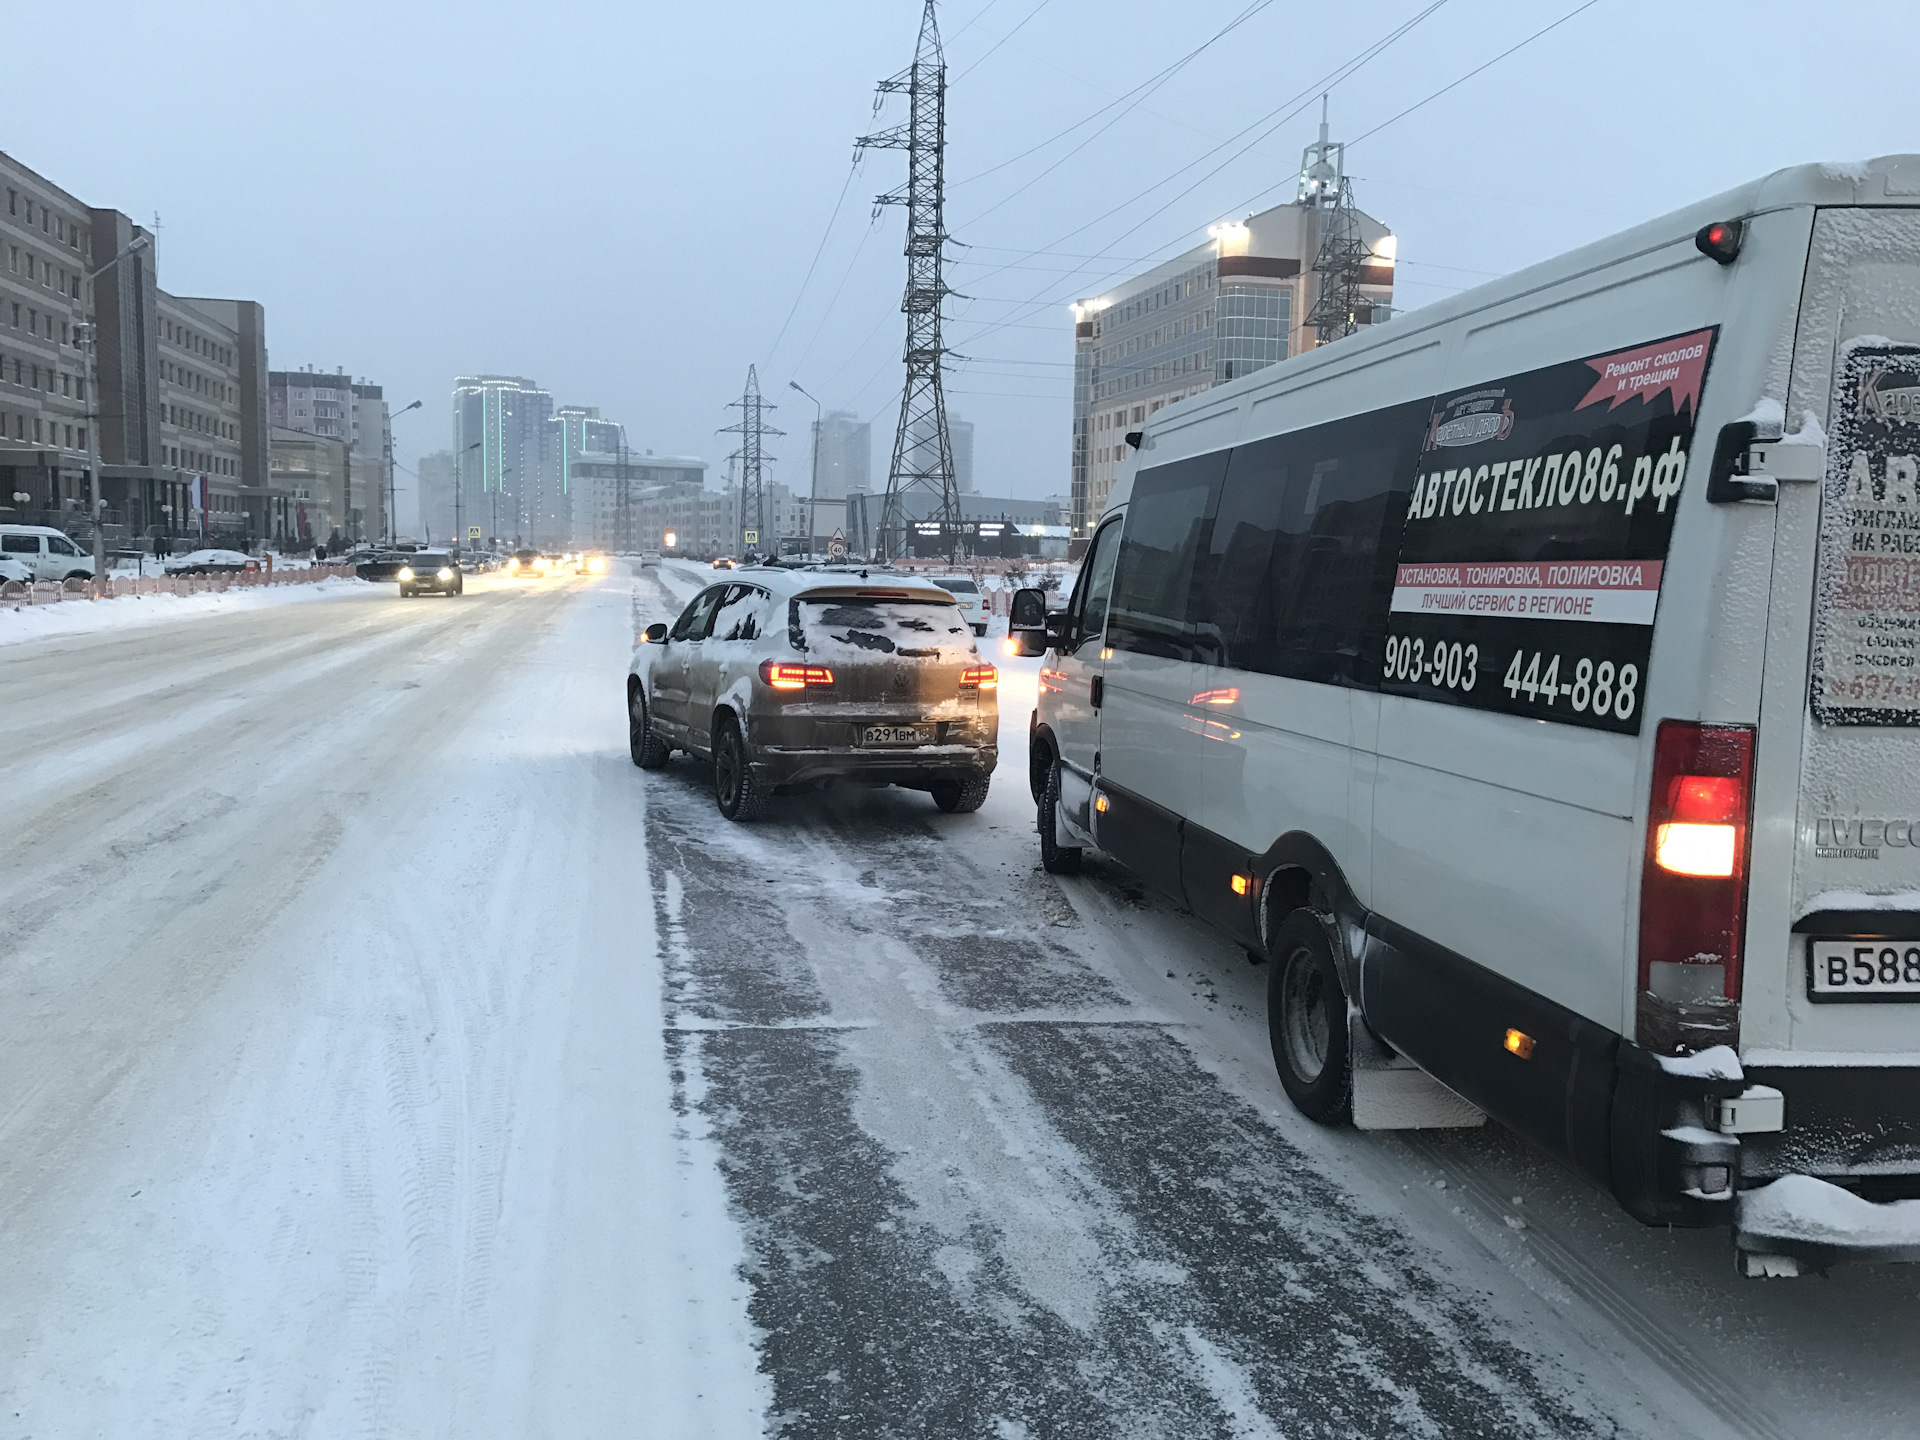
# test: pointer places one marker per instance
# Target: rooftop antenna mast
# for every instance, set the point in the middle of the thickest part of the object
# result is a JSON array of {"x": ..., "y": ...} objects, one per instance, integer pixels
[
  {"x": 1342, "y": 255},
  {"x": 922, "y": 462},
  {"x": 752, "y": 430}
]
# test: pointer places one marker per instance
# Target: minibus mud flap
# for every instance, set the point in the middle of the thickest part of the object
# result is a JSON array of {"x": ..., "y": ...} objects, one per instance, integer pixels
[
  {"x": 1537, "y": 1067},
  {"x": 1670, "y": 1166}
]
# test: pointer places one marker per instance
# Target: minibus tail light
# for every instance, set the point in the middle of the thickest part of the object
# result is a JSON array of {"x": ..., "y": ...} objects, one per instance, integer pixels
[{"x": 1693, "y": 885}]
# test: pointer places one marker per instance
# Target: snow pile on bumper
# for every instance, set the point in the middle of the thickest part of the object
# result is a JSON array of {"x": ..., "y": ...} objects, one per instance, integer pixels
[{"x": 1822, "y": 1224}]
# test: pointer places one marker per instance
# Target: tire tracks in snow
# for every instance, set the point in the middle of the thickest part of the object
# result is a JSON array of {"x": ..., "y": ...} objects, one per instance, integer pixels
[{"x": 987, "y": 1190}]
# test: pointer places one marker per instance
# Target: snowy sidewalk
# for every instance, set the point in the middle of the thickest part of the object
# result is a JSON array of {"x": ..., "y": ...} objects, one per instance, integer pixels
[{"x": 82, "y": 616}]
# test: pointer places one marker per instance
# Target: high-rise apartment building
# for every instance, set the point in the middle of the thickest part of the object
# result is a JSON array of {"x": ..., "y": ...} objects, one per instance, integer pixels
[
  {"x": 503, "y": 459},
  {"x": 960, "y": 436},
  {"x": 338, "y": 407},
  {"x": 1225, "y": 308},
  {"x": 439, "y": 521},
  {"x": 578, "y": 430}
]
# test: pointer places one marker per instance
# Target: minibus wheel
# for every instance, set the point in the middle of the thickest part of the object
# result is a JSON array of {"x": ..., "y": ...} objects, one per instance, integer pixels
[
  {"x": 1307, "y": 1019},
  {"x": 1055, "y": 858}
]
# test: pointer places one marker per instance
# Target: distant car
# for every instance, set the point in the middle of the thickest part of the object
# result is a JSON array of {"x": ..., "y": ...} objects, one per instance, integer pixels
[
  {"x": 649, "y": 559},
  {"x": 591, "y": 565},
  {"x": 210, "y": 562},
  {"x": 15, "y": 571},
  {"x": 430, "y": 572},
  {"x": 966, "y": 593},
  {"x": 794, "y": 679},
  {"x": 527, "y": 562},
  {"x": 47, "y": 552},
  {"x": 725, "y": 562},
  {"x": 381, "y": 565}
]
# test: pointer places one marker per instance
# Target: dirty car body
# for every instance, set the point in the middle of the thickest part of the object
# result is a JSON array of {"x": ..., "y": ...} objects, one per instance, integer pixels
[{"x": 828, "y": 677}]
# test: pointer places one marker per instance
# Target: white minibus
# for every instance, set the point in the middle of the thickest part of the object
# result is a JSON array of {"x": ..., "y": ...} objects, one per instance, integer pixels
[{"x": 1534, "y": 683}]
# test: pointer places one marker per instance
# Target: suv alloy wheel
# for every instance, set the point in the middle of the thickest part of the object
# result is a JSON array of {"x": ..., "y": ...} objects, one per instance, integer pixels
[{"x": 738, "y": 792}]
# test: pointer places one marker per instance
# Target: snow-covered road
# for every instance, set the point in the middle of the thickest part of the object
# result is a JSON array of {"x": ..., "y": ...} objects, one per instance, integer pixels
[{"x": 380, "y": 1053}]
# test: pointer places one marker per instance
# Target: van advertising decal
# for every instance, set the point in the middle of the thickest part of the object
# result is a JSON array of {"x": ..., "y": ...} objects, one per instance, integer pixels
[
  {"x": 1866, "y": 666},
  {"x": 1536, "y": 536}
]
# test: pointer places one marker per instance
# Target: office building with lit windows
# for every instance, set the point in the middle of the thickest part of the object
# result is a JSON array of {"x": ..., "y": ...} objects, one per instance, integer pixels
[{"x": 1225, "y": 308}]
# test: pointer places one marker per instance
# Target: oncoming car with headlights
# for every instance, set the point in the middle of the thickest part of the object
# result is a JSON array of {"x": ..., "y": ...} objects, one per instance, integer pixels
[
  {"x": 795, "y": 679},
  {"x": 430, "y": 572},
  {"x": 527, "y": 564}
]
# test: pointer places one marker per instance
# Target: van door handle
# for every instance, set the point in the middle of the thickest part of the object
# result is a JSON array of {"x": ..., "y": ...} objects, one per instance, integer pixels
[{"x": 1097, "y": 690}]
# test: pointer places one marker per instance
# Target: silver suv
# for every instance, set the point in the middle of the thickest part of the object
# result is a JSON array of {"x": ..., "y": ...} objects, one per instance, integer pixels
[{"x": 795, "y": 679}]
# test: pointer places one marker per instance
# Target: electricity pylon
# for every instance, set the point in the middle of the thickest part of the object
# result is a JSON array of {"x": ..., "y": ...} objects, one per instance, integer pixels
[
  {"x": 922, "y": 463},
  {"x": 1342, "y": 254},
  {"x": 751, "y": 524}
]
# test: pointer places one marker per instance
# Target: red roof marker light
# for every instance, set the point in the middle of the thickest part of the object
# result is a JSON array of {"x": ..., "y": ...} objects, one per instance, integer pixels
[{"x": 1721, "y": 240}]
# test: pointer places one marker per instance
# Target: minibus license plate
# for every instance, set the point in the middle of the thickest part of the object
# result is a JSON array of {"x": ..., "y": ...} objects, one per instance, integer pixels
[
  {"x": 897, "y": 735},
  {"x": 1863, "y": 969}
]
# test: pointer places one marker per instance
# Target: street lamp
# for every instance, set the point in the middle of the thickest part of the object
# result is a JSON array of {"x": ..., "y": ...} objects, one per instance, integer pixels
[
  {"x": 813, "y": 487},
  {"x": 459, "y": 489},
  {"x": 87, "y": 328},
  {"x": 390, "y": 496}
]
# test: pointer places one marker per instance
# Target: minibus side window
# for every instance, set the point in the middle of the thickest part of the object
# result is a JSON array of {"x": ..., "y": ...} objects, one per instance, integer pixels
[
  {"x": 1089, "y": 604},
  {"x": 1166, "y": 532},
  {"x": 1299, "y": 568}
]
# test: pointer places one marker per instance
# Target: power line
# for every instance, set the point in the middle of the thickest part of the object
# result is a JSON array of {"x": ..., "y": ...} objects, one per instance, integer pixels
[
  {"x": 1285, "y": 112},
  {"x": 819, "y": 250},
  {"x": 1346, "y": 70},
  {"x": 1578, "y": 9},
  {"x": 998, "y": 43},
  {"x": 1146, "y": 87}
]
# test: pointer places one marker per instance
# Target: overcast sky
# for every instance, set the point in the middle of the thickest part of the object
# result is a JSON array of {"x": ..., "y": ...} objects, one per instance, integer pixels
[{"x": 621, "y": 200}]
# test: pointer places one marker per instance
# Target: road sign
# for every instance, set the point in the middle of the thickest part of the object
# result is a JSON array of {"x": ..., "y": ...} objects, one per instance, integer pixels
[
  {"x": 473, "y": 532},
  {"x": 837, "y": 544},
  {"x": 752, "y": 537}
]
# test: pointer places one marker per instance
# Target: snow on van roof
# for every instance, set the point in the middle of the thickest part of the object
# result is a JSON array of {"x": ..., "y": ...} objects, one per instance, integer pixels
[{"x": 1884, "y": 180}]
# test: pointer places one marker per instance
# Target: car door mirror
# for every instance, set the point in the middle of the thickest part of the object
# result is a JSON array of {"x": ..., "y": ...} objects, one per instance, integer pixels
[
  {"x": 656, "y": 633},
  {"x": 1027, "y": 622}
]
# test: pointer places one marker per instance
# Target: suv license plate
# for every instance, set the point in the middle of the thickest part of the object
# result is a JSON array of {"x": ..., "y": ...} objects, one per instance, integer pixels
[
  {"x": 1863, "y": 969},
  {"x": 897, "y": 735}
]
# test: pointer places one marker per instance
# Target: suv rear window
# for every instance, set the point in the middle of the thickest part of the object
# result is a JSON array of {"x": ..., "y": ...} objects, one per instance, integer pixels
[
  {"x": 958, "y": 587},
  {"x": 854, "y": 628}
]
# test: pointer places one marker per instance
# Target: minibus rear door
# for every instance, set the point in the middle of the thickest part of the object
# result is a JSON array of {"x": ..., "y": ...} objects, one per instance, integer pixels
[{"x": 1832, "y": 977}]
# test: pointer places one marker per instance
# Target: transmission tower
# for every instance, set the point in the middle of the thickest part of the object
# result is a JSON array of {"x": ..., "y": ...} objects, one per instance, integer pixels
[
  {"x": 1342, "y": 254},
  {"x": 922, "y": 466},
  {"x": 752, "y": 430}
]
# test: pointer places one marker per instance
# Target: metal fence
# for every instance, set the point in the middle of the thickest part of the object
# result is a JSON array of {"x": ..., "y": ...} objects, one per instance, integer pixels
[{"x": 47, "y": 592}]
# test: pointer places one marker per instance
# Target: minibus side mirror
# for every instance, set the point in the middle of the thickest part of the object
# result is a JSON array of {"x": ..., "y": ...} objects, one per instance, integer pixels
[
  {"x": 1028, "y": 630},
  {"x": 656, "y": 633}
]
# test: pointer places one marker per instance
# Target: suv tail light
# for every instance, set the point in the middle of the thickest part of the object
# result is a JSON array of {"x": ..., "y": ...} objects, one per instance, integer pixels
[
  {"x": 1693, "y": 886},
  {"x": 980, "y": 677},
  {"x": 782, "y": 676}
]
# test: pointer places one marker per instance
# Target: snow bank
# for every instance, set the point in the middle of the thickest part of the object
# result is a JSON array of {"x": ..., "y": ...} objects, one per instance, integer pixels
[
  {"x": 1811, "y": 1211},
  {"x": 131, "y": 612}
]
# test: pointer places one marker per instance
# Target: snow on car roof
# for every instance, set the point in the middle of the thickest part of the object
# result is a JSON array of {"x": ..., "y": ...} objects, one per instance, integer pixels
[{"x": 878, "y": 584}]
